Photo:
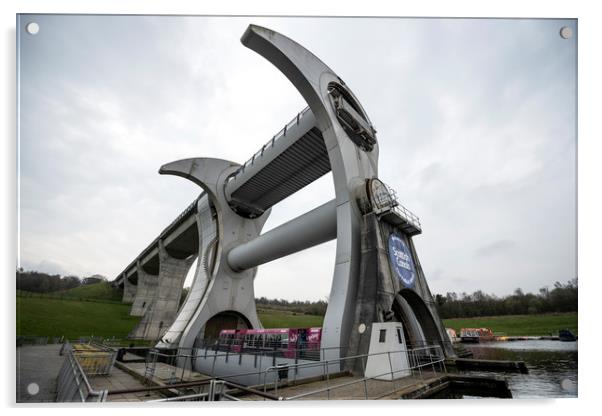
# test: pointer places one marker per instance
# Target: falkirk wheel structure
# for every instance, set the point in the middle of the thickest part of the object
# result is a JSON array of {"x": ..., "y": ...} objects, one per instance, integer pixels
[{"x": 377, "y": 275}]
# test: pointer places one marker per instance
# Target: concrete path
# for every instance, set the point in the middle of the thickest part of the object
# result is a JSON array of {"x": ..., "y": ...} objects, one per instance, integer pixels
[
  {"x": 351, "y": 388},
  {"x": 37, "y": 369},
  {"x": 121, "y": 380}
]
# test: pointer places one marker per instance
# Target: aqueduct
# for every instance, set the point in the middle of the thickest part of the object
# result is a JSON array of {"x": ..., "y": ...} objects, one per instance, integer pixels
[{"x": 377, "y": 275}]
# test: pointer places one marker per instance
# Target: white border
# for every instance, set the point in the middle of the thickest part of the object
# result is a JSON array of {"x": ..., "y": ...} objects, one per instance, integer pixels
[{"x": 589, "y": 210}]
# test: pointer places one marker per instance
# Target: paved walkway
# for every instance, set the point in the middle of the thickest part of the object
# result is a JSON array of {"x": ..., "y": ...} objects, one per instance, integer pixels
[
  {"x": 351, "y": 388},
  {"x": 121, "y": 380},
  {"x": 167, "y": 374},
  {"x": 40, "y": 364},
  {"x": 37, "y": 368}
]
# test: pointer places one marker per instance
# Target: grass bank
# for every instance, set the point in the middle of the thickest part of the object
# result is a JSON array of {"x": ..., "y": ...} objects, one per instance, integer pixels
[
  {"x": 273, "y": 318},
  {"x": 102, "y": 291},
  {"x": 97, "y": 310},
  {"x": 56, "y": 316},
  {"x": 517, "y": 325},
  {"x": 72, "y": 318}
]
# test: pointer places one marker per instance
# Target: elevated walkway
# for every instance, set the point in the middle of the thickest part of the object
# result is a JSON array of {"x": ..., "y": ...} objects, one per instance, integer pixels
[
  {"x": 180, "y": 237},
  {"x": 295, "y": 157}
]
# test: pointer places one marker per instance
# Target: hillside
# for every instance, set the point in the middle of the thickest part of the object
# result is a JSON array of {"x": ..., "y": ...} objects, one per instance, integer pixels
[
  {"x": 72, "y": 318},
  {"x": 102, "y": 292},
  {"x": 517, "y": 325},
  {"x": 98, "y": 291},
  {"x": 96, "y": 309}
]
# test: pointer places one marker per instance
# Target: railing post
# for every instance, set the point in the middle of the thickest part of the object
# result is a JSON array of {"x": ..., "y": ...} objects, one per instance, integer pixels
[
  {"x": 364, "y": 363},
  {"x": 211, "y": 387},
  {"x": 390, "y": 365},
  {"x": 259, "y": 371},
  {"x": 327, "y": 381},
  {"x": 213, "y": 366}
]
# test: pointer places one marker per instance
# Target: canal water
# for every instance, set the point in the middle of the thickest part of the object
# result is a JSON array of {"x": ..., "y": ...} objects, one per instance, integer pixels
[{"x": 552, "y": 366}]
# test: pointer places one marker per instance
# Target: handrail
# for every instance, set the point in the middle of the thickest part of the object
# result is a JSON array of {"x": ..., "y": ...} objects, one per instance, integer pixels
[
  {"x": 440, "y": 360},
  {"x": 401, "y": 210},
  {"x": 69, "y": 383},
  {"x": 195, "y": 384},
  {"x": 271, "y": 142},
  {"x": 418, "y": 358}
]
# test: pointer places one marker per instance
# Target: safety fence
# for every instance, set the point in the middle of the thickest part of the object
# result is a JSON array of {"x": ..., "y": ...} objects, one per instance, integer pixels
[
  {"x": 421, "y": 361},
  {"x": 94, "y": 358},
  {"x": 212, "y": 360},
  {"x": 200, "y": 390},
  {"x": 73, "y": 384}
]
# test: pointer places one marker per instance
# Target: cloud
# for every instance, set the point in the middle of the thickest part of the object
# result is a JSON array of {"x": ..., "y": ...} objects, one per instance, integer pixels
[
  {"x": 475, "y": 123},
  {"x": 499, "y": 247}
]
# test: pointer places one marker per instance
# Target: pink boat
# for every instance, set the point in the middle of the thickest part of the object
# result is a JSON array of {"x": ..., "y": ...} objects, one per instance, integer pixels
[{"x": 290, "y": 342}]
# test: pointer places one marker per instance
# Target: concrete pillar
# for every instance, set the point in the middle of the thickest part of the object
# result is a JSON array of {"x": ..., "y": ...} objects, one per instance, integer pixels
[
  {"x": 163, "y": 307},
  {"x": 207, "y": 232},
  {"x": 145, "y": 291},
  {"x": 129, "y": 290}
]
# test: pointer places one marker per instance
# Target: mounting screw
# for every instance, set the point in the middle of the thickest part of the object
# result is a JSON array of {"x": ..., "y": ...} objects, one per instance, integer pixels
[
  {"x": 32, "y": 28},
  {"x": 566, "y": 32}
]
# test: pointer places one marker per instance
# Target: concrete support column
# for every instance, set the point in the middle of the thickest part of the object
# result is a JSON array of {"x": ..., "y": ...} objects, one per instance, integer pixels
[
  {"x": 207, "y": 232},
  {"x": 163, "y": 307},
  {"x": 129, "y": 290},
  {"x": 145, "y": 291}
]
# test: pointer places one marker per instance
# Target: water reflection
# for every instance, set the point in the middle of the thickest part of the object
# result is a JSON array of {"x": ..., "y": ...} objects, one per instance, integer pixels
[{"x": 552, "y": 366}]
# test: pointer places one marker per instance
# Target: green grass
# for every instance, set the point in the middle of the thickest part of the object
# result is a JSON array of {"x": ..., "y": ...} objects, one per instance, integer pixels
[
  {"x": 102, "y": 291},
  {"x": 102, "y": 316},
  {"x": 516, "y": 325},
  {"x": 96, "y": 310},
  {"x": 271, "y": 318},
  {"x": 72, "y": 318}
]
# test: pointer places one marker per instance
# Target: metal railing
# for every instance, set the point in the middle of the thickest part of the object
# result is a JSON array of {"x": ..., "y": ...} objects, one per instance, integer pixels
[
  {"x": 201, "y": 390},
  {"x": 428, "y": 358},
  {"x": 213, "y": 391},
  {"x": 73, "y": 385},
  {"x": 182, "y": 362},
  {"x": 407, "y": 215},
  {"x": 272, "y": 141},
  {"x": 94, "y": 358},
  {"x": 390, "y": 202},
  {"x": 418, "y": 359},
  {"x": 271, "y": 348}
]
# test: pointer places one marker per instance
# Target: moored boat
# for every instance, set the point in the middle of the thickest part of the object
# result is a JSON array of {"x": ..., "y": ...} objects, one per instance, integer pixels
[
  {"x": 453, "y": 336},
  {"x": 476, "y": 335},
  {"x": 566, "y": 335}
]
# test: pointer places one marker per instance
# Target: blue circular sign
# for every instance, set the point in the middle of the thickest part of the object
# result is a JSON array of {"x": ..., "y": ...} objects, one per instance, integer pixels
[{"x": 401, "y": 260}]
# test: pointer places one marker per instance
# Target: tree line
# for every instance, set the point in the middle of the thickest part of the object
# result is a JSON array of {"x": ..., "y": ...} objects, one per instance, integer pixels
[
  {"x": 562, "y": 298},
  {"x": 39, "y": 282},
  {"x": 303, "y": 307}
]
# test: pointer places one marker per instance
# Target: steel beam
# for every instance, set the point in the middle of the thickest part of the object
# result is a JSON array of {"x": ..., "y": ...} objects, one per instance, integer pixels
[{"x": 310, "y": 229}]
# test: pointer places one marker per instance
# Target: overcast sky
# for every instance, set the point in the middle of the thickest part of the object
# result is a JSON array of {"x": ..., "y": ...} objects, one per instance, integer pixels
[{"x": 475, "y": 118}]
